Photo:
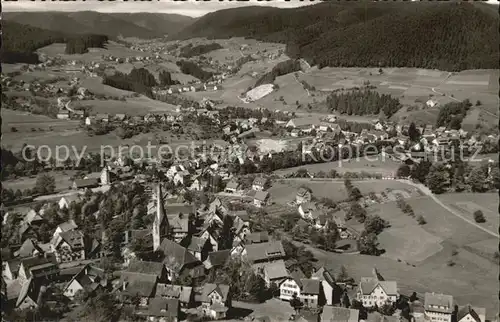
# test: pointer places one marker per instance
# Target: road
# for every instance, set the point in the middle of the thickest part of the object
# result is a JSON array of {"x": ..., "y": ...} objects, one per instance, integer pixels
[{"x": 429, "y": 193}]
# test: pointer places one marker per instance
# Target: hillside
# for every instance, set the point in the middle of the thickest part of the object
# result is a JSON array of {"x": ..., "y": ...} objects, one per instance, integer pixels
[
  {"x": 445, "y": 36},
  {"x": 141, "y": 25}
]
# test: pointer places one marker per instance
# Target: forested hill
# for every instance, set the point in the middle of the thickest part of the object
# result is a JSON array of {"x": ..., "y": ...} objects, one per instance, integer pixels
[
  {"x": 142, "y": 25},
  {"x": 447, "y": 36}
]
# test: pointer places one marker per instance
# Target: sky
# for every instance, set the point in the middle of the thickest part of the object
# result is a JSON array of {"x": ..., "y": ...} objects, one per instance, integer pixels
[
  {"x": 188, "y": 8},
  {"x": 191, "y": 8}
]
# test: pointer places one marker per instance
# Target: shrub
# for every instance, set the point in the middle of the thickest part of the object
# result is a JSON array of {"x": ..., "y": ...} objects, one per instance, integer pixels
[
  {"x": 421, "y": 220},
  {"x": 479, "y": 216},
  {"x": 450, "y": 263}
]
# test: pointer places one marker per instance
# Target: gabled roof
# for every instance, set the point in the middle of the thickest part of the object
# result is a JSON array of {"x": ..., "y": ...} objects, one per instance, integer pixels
[
  {"x": 139, "y": 284},
  {"x": 302, "y": 192},
  {"x": 160, "y": 307},
  {"x": 232, "y": 185},
  {"x": 180, "y": 292},
  {"x": 176, "y": 256},
  {"x": 145, "y": 267},
  {"x": 297, "y": 275},
  {"x": 261, "y": 195},
  {"x": 89, "y": 277},
  {"x": 178, "y": 223},
  {"x": 310, "y": 286},
  {"x": 36, "y": 264},
  {"x": 442, "y": 303},
  {"x": 68, "y": 225},
  {"x": 368, "y": 284},
  {"x": 323, "y": 274},
  {"x": 74, "y": 238},
  {"x": 218, "y": 258},
  {"x": 32, "y": 216},
  {"x": 257, "y": 237},
  {"x": 274, "y": 270},
  {"x": 474, "y": 312},
  {"x": 265, "y": 251},
  {"x": 84, "y": 183},
  {"x": 196, "y": 244},
  {"x": 259, "y": 181},
  {"x": 339, "y": 314},
  {"x": 28, "y": 247},
  {"x": 28, "y": 289},
  {"x": 221, "y": 289}
]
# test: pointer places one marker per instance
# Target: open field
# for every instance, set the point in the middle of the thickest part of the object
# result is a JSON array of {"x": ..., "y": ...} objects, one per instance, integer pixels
[
  {"x": 94, "y": 54},
  {"x": 24, "y": 122},
  {"x": 62, "y": 179},
  {"x": 95, "y": 86},
  {"x": 284, "y": 190},
  {"x": 405, "y": 239},
  {"x": 132, "y": 106},
  {"x": 468, "y": 203},
  {"x": 383, "y": 166}
]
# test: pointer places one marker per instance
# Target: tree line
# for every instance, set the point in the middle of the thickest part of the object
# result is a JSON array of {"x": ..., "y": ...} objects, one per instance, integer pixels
[
  {"x": 190, "y": 68},
  {"x": 282, "y": 68},
  {"x": 81, "y": 44},
  {"x": 189, "y": 50},
  {"x": 452, "y": 114},
  {"x": 138, "y": 80},
  {"x": 362, "y": 102}
]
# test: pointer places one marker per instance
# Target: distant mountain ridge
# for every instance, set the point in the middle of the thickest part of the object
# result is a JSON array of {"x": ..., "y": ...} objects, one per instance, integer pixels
[
  {"x": 448, "y": 36},
  {"x": 141, "y": 25}
]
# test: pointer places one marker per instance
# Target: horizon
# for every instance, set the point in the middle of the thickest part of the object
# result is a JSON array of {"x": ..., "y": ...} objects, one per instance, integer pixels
[{"x": 192, "y": 9}]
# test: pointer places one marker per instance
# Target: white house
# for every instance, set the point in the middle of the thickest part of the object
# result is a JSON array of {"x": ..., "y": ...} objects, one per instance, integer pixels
[
  {"x": 65, "y": 201},
  {"x": 291, "y": 286},
  {"x": 327, "y": 282},
  {"x": 431, "y": 103},
  {"x": 376, "y": 291},
  {"x": 471, "y": 314},
  {"x": 259, "y": 184},
  {"x": 438, "y": 307}
]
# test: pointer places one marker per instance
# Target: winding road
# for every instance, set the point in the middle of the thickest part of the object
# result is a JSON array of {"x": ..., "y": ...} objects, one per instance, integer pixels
[{"x": 429, "y": 193}]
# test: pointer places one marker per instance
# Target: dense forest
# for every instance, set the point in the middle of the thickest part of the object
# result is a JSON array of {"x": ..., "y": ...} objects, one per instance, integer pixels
[
  {"x": 447, "y": 36},
  {"x": 190, "y": 68},
  {"x": 138, "y": 80},
  {"x": 165, "y": 79},
  {"x": 189, "y": 50},
  {"x": 452, "y": 114},
  {"x": 80, "y": 44},
  {"x": 362, "y": 102},
  {"x": 19, "y": 42},
  {"x": 282, "y": 68}
]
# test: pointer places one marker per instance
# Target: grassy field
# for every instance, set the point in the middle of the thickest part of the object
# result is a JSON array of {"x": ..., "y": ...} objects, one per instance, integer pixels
[
  {"x": 132, "y": 106},
  {"x": 384, "y": 166},
  {"x": 62, "y": 179},
  {"x": 24, "y": 123},
  {"x": 283, "y": 191}
]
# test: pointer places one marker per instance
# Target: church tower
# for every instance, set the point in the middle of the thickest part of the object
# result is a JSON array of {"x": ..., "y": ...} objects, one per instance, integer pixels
[{"x": 160, "y": 224}]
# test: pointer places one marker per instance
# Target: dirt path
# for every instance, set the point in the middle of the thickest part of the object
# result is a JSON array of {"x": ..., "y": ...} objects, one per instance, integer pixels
[{"x": 429, "y": 193}]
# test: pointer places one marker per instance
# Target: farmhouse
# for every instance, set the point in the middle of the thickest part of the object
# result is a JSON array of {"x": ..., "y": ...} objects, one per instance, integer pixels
[
  {"x": 327, "y": 284},
  {"x": 303, "y": 195},
  {"x": 184, "y": 294},
  {"x": 261, "y": 199},
  {"x": 160, "y": 309},
  {"x": 263, "y": 252},
  {"x": 438, "y": 307},
  {"x": 88, "y": 279},
  {"x": 232, "y": 186},
  {"x": 310, "y": 292},
  {"x": 215, "y": 300},
  {"x": 376, "y": 291},
  {"x": 291, "y": 286},
  {"x": 259, "y": 184},
  {"x": 69, "y": 246},
  {"x": 471, "y": 314},
  {"x": 273, "y": 272}
]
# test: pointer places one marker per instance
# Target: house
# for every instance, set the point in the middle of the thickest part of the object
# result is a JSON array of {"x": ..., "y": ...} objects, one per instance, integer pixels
[
  {"x": 63, "y": 114},
  {"x": 261, "y": 198},
  {"x": 303, "y": 123},
  {"x": 259, "y": 184},
  {"x": 10, "y": 269},
  {"x": 292, "y": 285},
  {"x": 137, "y": 285},
  {"x": 307, "y": 210},
  {"x": 102, "y": 118},
  {"x": 232, "y": 186},
  {"x": 85, "y": 183},
  {"x": 327, "y": 284},
  {"x": 29, "y": 296},
  {"x": 89, "y": 120},
  {"x": 295, "y": 133},
  {"x": 150, "y": 268},
  {"x": 263, "y": 252},
  {"x": 310, "y": 292},
  {"x": 38, "y": 267},
  {"x": 199, "y": 247},
  {"x": 438, "y": 307},
  {"x": 179, "y": 261},
  {"x": 88, "y": 279},
  {"x": 339, "y": 314},
  {"x": 69, "y": 246},
  {"x": 376, "y": 291},
  {"x": 65, "y": 226},
  {"x": 256, "y": 237},
  {"x": 272, "y": 272},
  {"x": 471, "y": 314},
  {"x": 431, "y": 103},
  {"x": 217, "y": 259},
  {"x": 29, "y": 248},
  {"x": 160, "y": 309},
  {"x": 78, "y": 114},
  {"x": 65, "y": 201},
  {"x": 215, "y": 300},
  {"x": 184, "y": 294},
  {"x": 179, "y": 225},
  {"x": 303, "y": 195}
]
